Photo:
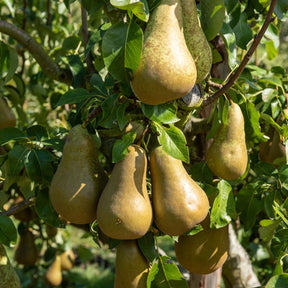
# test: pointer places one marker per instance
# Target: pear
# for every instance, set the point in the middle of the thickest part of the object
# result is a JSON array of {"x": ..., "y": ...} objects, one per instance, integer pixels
[
  {"x": 67, "y": 260},
  {"x": 8, "y": 276},
  {"x": 26, "y": 252},
  {"x": 204, "y": 252},
  {"x": 179, "y": 202},
  {"x": 7, "y": 117},
  {"x": 196, "y": 40},
  {"x": 227, "y": 155},
  {"x": 124, "y": 210},
  {"x": 24, "y": 215},
  {"x": 53, "y": 275},
  {"x": 51, "y": 231},
  {"x": 131, "y": 268},
  {"x": 166, "y": 70},
  {"x": 79, "y": 179}
]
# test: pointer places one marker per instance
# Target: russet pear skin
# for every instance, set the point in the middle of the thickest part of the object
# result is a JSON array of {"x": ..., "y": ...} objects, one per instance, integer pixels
[
  {"x": 227, "y": 155},
  {"x": 131, "y": 267},
  {"x": 166, "y": 70},
  {"x": 124, "y": 210},
  {"x": 7, "y": 117},
  {"x": 26, "y": 252},
  {"x": 178, "y": 201},
  {"x": 196, "y": 40},
  {"x": 8, "y": 276},
  {"x": 53, "y": 275},
  {"x": 79, "y": 180},
  {"x": 204, "y": 252}
]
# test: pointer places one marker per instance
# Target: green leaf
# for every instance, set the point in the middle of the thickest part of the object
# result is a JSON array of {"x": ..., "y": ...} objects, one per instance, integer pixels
[
  {"x": 164, "y": 113},
  {"x": 242, "y": 31},
  {"x": 109, "y": 108},
  {"x": 8, "y": 134},
  {"x": 283, "y": 176},
  {"x": 37, "y": 132},
  {"x": 281, "y": 8},
  {"x": 122, "y": 116},
  {"x": 223, "y": 209},
  {"x": 9, "y": 4},
  {"x": 120, "y": 147},
  {"x": 45, "y": 209},
  {"x": 165, "y": 274},
  {"x": 147, "y": 246},
  {"x": 248, "y": 205},
  {"x": 8, "y": 62},
  {"x": 32, "y": 166},
  {"x": 74, "y": 96},
  {"x": 212, "y": 16},
  {"x": 278, "y": 281},
  {"x": 16, "y": 158},
  {"x": 138, "y": 8},
  {"x": 8, "y": 232},
  {"x": 279, "y": 242},
  {"x": 173, "y": 141},
  {"x": 121, "y": 49},
  {"x": 78, "y": 70},
  {"x": 267, "y": 229},
  {"x": 196, "y": 229}
]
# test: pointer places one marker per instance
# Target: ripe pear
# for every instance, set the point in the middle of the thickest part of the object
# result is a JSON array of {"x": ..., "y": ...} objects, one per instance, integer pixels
[
  {"x": 26, "y": 252},
  {"x": 24, "y": 215},
  {"x": 196, "y": 40},
  {"x": 131, "y": 268},
  {"x": 204, "y": 252},
  {"x": 8, "y": 276},
  {"x": 79, "y": 179},
  {"x": 53, "y": 275},
  {"x": 179, "y": 202},
  {"x": 67, "y": 260},
  {"x": 124, "y": 210},
  {"x": 7, "y": 117},
  {"x": 166, "y": 70},
  {"x": 227, "y": 155}
]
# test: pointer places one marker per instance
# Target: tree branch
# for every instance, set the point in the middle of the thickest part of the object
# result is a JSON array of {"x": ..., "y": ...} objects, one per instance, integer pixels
[
  {"x": 19, "y": 207},
  {"x": 50, "y": 68},
  {"x": 234, "y": 76}
]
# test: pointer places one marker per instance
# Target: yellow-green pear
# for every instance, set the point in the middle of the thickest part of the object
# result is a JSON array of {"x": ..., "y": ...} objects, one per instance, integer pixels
[
  {"x": 79, "y": 179},
  {"x": 26, "y": 252},
  {"x": 7, "y": 117},
  {"x": 53, "y": 275},
  {"x": 196, "y": 40},
  {"x": 204, "y": 252},
  {"x": 124, "y": 210},
  {"x": 131, "y": 268},
  {"x": 166, "y": 70},
  {"x": 67, "y": 259},
  {"x": 179, "y": 203},
  {"x": 227, "y": 155},
  {"x": 8, "y": 276}
]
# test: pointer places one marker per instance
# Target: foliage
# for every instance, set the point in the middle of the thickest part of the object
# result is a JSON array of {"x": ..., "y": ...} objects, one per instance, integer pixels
[{"x": 100, "y": 96}]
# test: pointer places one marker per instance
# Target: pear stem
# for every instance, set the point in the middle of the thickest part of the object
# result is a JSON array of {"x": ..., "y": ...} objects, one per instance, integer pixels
[
  {"x": 19, "y": 207},
  {"x": 234, "y": 76}
]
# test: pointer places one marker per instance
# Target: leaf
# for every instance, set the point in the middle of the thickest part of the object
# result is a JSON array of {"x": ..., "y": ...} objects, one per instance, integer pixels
[
  {"x": 165, "y": 113},
  {"x": 242, "y": 31},
  {"x": 45, "y": 209},
  {"x": 122, "y": 116},
  {"x": 8, "y": 134},
  {"x": 38, "y": 132},
  {"x": 173, "y": 141},
  {"x": 278, "y": 281},
  {"x": 165, "y": 274},
  {"x": 248, "y": 206},
  {"x": 8, "y": 62},
  {"x": 109, "y": 108},
  {"x": 121, "y": 49},
  {"x": 267, "y": 229},
  {"x": 120, "y": 147},
  {"x": 138, "y": 8},
  {"x": 283, "y": 176},
  {"x": 8, "y": 232},
  {"x": 74, "y": 96},
  {"x": 10, "y": 7},
  {"x": 223, "y": 209},
  {"x": 77, "y": 68},
  {"x": 212, "y": 16},
  {"x": 196, "y": 229},
  {"x": 279, "y": 242},
  {"x": 147, "y": 246},
  {"x": 281, "y": 8},
  {"x": 16, "y": 158}
]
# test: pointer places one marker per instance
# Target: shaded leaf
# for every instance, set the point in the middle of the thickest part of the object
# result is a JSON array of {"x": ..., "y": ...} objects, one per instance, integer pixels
[
  {"x": 147, "y": 246},
  {"x": 8, "y": 134},
  {"x": 8, "y": 232},
  {"x": 74, "y": 96},
  {"x": 278, "y": 281},
  {"x": 16, "y": 158}
]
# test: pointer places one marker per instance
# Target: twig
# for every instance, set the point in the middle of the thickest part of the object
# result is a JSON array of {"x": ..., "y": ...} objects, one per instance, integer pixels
[
  {"x": 49, "y": 67},
  {"x": 92, "y": 114},
  {"x": 85, "y": 34},
  {"x": 19, "y": 207},
  {"x": 234, "y": 76}
]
